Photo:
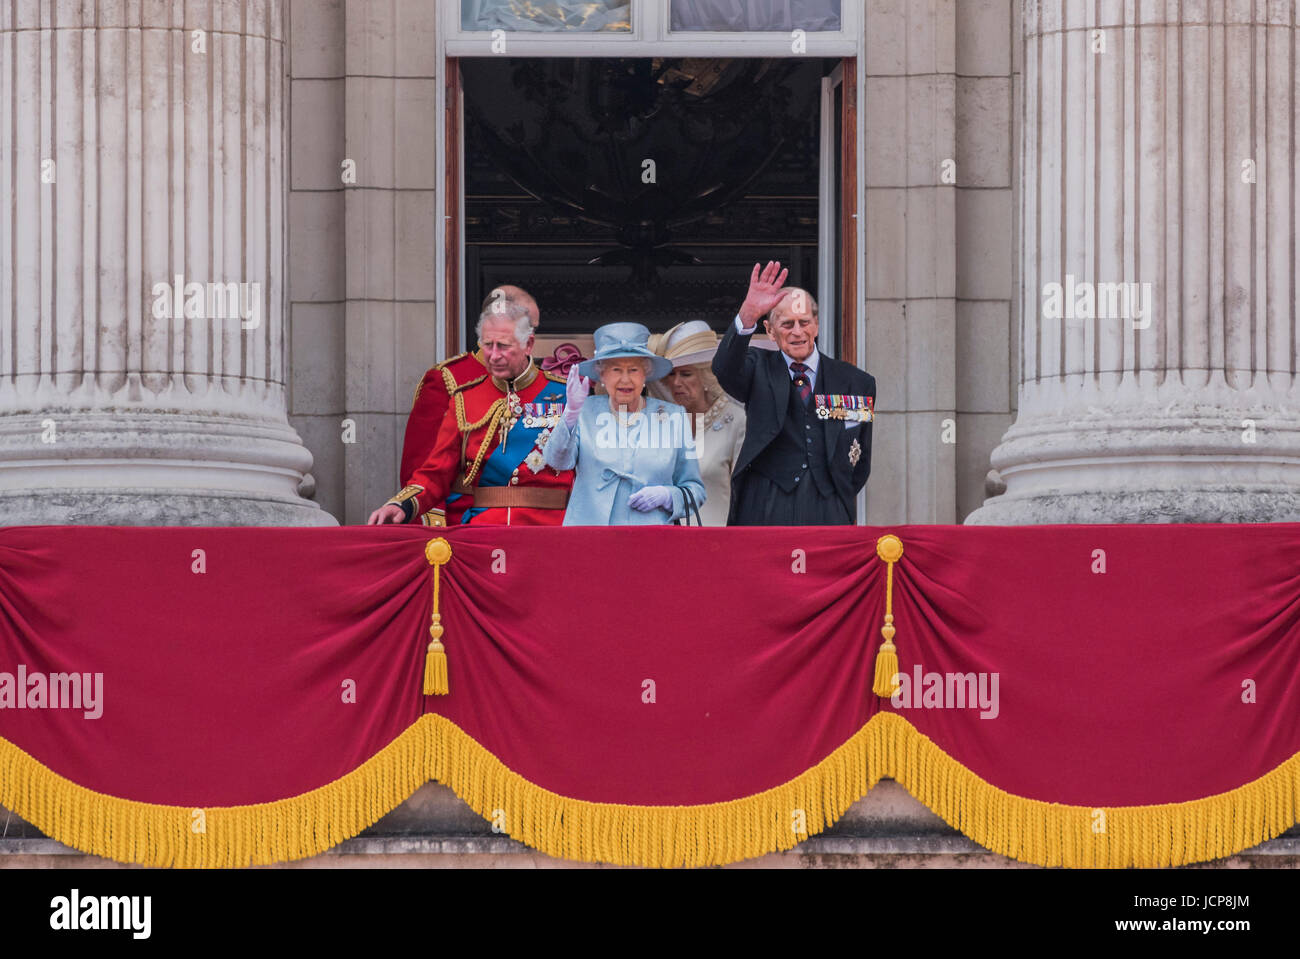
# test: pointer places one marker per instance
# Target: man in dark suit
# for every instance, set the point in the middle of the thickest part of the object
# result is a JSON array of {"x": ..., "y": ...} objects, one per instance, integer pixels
[{"x": 807, "y": 448}]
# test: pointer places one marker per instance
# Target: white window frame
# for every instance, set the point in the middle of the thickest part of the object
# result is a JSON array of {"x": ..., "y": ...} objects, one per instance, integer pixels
[
  {"x": 827, "y": 214},
  {"x": 650, "y": 35}
]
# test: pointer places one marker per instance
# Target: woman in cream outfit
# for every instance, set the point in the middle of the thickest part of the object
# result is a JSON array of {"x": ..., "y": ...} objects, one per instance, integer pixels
[{"x": 717, "y": 420}]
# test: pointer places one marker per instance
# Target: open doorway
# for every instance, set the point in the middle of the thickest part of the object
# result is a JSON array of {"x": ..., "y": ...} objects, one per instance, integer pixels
[{"x": 645, "y": 188}]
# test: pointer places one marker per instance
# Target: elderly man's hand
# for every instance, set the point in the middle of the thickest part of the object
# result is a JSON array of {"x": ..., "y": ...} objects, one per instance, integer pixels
[
  {"x": 650, "y": 498},
  {"x": 387, "y": 514},
  {"x": 765, "y": 291}
]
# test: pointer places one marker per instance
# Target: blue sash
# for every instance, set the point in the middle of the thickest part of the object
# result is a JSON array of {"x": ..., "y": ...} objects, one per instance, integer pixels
[{"x": 500, "y": 465}]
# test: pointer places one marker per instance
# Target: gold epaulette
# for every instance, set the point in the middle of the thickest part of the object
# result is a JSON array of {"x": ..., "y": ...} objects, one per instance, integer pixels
[
  {"x": 448, "y": 382},
  {"x": 451, "y": 359},
  {"x": 555, "y": 377},
  {"x": 453, "y": 387}
]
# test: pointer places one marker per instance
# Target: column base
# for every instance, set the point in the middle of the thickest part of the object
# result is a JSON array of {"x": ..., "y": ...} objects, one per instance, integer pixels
[
  {"x": 155, "y": 507},
  {"x": 1223, "y": 504},
  {"x": 152, "y": 468}
]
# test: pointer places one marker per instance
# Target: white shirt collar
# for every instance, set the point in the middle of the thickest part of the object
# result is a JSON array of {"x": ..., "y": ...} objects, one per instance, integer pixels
[{"x": 811, "y": 363}]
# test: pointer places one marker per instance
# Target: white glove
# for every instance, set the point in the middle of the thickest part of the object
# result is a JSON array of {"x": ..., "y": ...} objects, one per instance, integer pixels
[
  {"x": 575, "y": 394},
  {"x": 651, "y": 497}
]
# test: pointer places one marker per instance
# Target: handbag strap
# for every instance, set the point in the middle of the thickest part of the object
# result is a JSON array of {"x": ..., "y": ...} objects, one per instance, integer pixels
[{"x": 691, "y": 507}]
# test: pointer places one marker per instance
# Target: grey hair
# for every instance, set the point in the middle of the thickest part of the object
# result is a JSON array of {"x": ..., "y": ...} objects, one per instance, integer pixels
[
  {"x": 507, "y": 310},
  {"x": 646, "y": 363}
]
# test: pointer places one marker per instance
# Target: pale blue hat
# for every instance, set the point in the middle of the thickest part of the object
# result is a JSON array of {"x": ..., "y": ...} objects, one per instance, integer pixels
[{"x": 615, "y": 340}]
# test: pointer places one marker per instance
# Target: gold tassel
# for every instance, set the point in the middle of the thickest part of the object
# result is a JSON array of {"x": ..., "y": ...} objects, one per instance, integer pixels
[
  {"x": 437, "y": 552},
  {"x": 890, "y": 549},
  {"x": 886, "y": 683},
  {"x": 435, "y": 668}
]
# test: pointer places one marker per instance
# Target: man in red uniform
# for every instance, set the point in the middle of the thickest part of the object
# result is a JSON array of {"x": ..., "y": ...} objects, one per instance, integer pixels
[
  {"x": 489, "y": 447},
  {"x": 434, "y": 392}
]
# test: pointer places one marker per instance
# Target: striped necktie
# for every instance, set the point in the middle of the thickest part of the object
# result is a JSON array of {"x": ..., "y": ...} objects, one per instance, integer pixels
[{"x": 802, "y": 381}]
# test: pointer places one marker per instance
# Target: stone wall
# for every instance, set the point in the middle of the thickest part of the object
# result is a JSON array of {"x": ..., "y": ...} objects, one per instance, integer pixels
[
  {"x": 940, "y": 256},
  {"x": 362, "y": 270}
]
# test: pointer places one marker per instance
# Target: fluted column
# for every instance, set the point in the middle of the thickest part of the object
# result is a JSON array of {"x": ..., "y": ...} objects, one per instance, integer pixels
[
  {"x": 1159, "y": 152},
  {"x": 141, "y": 142}
]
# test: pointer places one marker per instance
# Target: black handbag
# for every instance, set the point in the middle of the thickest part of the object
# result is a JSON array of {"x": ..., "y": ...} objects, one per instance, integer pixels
[{"x": 691, "y": 507}]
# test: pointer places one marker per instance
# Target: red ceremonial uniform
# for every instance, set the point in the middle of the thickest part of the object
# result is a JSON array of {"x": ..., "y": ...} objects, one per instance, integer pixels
[
  {"x": 489, "y": 450},
  {"x": 432, "y": 400}
]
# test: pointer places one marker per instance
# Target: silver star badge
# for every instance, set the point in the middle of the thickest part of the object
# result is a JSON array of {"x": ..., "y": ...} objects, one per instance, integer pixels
[{"x": 855, "y": 453}]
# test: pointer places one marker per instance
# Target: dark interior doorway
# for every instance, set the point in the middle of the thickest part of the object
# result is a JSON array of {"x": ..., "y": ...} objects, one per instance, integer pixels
[{"x": 560, "y": 198}]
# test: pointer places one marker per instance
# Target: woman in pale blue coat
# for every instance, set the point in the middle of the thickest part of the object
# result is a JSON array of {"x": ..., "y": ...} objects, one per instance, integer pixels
[{"x": 633, "y": 454}]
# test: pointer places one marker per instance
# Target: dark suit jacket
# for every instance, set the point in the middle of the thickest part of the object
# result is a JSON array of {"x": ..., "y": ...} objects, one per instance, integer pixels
[{"x": 761, "y": 380}]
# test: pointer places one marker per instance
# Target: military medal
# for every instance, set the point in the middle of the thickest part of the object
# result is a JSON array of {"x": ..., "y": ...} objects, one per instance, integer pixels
[
  {"x": 542, "y": 415},
  {"x": 851, "y": 409},
  {"x": 855, "y": 453}
]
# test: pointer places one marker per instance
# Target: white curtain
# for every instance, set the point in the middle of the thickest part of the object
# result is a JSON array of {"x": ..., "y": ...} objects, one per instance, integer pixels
[
  {"x": 741, "y": 15},
  {"x": 546, "y": 15}
]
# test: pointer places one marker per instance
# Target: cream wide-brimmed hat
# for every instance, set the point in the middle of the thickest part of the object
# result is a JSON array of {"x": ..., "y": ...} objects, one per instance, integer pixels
[{"x": 686, "y": 343}]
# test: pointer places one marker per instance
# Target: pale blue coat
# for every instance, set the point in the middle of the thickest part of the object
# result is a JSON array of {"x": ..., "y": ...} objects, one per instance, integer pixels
[{"x": 612, "y": 464}]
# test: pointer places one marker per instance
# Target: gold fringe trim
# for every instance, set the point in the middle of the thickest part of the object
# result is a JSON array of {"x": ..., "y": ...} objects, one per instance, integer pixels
[
  {"x": 1046, "y": 834},
  {"x": 157, "y": 835}
]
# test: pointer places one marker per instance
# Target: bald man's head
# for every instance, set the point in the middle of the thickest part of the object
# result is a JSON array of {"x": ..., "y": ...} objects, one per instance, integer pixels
[{"x": 505, "y": 296}]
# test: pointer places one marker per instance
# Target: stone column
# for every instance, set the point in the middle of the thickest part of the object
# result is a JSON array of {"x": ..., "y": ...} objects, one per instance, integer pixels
[
  {"x": 1158, "y": 149},
  {"x": 140, "y": 142}
]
